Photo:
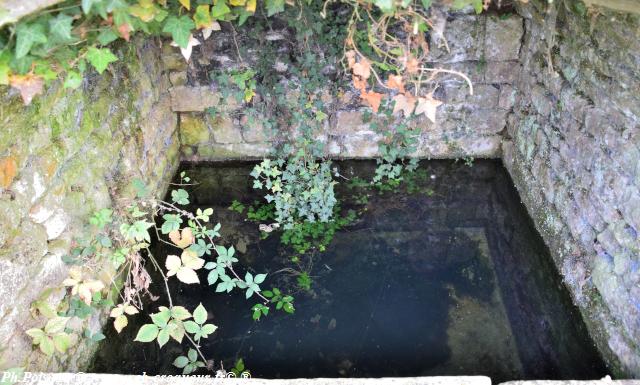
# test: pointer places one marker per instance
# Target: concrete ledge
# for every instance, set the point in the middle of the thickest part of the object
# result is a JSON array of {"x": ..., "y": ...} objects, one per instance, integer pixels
[
  {"x": 604, "y": 381},
  {"x": 109, "y": 379}
]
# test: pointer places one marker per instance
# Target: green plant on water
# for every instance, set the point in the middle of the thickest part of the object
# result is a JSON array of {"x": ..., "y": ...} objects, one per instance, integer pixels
[
  {"x": 239, "y": 370},
  {"x": 304, "y": 281},
  {"x": 306, "y": 236},
  {"x": 301, "y": 189}
]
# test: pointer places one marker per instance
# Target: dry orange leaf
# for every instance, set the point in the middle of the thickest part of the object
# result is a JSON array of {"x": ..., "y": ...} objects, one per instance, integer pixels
[
  {"x": 428, "y": 106},
  {"x": 412, "y": 65},
  {"x": 8, "y": 170},
  {"x": 359, "y": 83},
  {"x": 29, "y": 86},
  {"x": 404, "y": 103},
  {"x": 395, "y": 82},
  {"x": 372, "y": 99},
  {"x": 182, "y": 240},
  {"x": 351, "y": 58},
  {"x": 362, "y": 69}
]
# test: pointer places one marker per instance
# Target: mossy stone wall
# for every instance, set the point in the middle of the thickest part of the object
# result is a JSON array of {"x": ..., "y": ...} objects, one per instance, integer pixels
[
  {"x": 65, "y": 156},
  {"x": 573, "y": 149}
]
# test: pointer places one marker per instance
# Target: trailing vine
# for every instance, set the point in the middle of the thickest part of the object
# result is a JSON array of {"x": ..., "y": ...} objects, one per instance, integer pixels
[{"x": 127, "y": 247}]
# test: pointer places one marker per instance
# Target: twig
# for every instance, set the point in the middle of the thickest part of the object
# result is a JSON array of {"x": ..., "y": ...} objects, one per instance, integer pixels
[{"x": 454, "y": 72}]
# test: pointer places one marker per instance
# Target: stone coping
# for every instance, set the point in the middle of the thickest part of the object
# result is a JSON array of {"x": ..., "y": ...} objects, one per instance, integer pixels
[{"x": 108, "y": 379}]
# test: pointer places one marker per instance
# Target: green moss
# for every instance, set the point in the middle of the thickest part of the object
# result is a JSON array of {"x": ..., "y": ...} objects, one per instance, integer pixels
[{"x": 193, "y": 129}]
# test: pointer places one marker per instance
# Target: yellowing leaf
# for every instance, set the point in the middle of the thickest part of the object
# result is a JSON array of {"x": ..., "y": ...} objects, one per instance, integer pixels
[
  {"x": 28, "y": 85},
  {"x": 428, "y": 106},
  {"x": 120, "y": 323},
  {"x": 202, "y": 17},
  {"x": 206, "y": 32},
  {"x": 251, "y": 5},
  {"x": 184, "y": 267},
  {"x": 186, "y": 4},
  {"x": 182, "y": 240},
  {"x": 83, "y": 288},
  {"x": 172, "y": 264},
  {"x": 187, "y": 276},
  {"x": 404, "y": 103},
  {"x": 190, "y": 260},
  {"x": 237, "y": 3}
]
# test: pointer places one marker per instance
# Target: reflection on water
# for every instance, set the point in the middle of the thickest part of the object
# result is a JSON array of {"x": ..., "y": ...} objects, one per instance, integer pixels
[{"x": 445, "y": 277}]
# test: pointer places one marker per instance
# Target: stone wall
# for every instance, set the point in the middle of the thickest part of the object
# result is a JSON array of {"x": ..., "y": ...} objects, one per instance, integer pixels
[
  {"x": 467, "y": 125},
  {"x": 63, "y": 157},
  {"x": 573, "y": 149}
]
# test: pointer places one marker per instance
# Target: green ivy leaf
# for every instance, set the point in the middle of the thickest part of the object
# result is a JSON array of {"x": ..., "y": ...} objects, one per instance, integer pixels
[
  {"x": 60, "y": 26},
  {"x": 180, "y": 29},
  {"x": 107, "y": 36},
  {"x": 220, "y": 9},
  {"x": 385, "y": 6},
  {"x": 100, "y": 58},
  {"x": 274, "y": 6},
  {"x": 26, "y": 36},
  {"x": 73, "y": 80},
  {"x": 147, "y": 333},
  {"x": 87, "y": 4}
]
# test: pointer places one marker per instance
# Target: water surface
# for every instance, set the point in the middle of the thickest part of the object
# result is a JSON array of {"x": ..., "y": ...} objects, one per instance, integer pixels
[{"x": 445, "y": 276}]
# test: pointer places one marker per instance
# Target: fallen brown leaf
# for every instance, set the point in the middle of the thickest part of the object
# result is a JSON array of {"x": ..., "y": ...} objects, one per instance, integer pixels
[
  {"x": 395, "y": 82},
  {"x": 8, "y": 170},
  {"x": 359, "y": 83},
  {"x": 404, "y": 103},
  {"x": 29, "y": 86},
  {"x": 372, "y": 99},
  {"x": 362, "y": 69}
]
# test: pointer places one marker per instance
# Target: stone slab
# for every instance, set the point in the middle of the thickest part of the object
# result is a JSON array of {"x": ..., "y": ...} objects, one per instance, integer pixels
[{"x": 100, "y": 379}]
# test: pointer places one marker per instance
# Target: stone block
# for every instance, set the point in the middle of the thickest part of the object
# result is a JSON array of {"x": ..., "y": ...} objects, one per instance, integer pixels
[
  {"x": 487, "y": 121},
  {"x": 502, "y": 38},
  {"x": 178, "y": 78},
  {"x": 225, "y": 131},
  {"x": 193, "y": 129},
  {"x": 462, "y": 35},
  {"x": 345, "y": 122},
  {"x": 507, "y": 98},
  {"x": 502, "y": 72},
  {"x": 195, "y": 99},
  {"x": 253, "y": 130}
]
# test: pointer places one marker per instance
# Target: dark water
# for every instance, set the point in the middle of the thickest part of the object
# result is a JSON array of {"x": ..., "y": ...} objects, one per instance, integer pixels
[{"x": 447, "y": 276}]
